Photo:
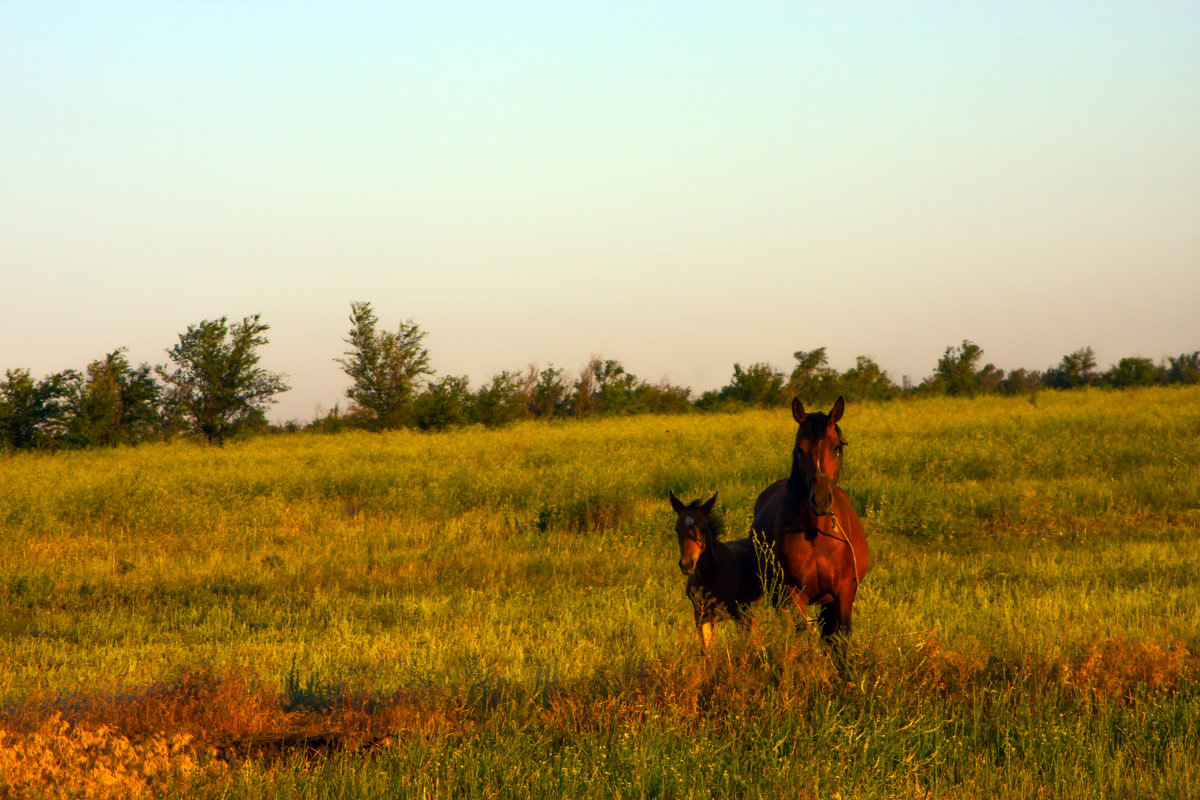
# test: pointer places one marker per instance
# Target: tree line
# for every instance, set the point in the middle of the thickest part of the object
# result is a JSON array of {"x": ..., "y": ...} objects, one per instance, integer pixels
[{"x": 214, "y": 389}]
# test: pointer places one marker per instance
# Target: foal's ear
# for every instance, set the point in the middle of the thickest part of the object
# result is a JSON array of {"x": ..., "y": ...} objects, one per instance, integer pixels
[
  {"x": 839, "y": 408},
  {"x": 677, "y": 504},
  {"x": 708, "y": 507},
  {"x": 798, "y": 411}
]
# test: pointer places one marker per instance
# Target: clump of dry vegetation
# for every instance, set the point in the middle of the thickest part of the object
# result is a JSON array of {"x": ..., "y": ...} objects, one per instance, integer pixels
[{"x": 64, "y": 760}]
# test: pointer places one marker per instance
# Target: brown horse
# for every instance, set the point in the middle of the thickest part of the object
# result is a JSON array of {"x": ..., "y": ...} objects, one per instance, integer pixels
[
  {"x": 816, "y": 537},
  {"x": 722, "y": 577}
]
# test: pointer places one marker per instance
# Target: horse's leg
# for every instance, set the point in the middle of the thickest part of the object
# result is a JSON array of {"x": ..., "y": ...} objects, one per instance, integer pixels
[
  {"x": 835, "y": 624},
  {"x": 845, "y": 603},
  {"x": 831, "y": 620}
]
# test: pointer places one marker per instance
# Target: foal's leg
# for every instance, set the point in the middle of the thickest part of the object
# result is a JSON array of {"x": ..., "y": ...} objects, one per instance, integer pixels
[{"x": 702, "y": 611}]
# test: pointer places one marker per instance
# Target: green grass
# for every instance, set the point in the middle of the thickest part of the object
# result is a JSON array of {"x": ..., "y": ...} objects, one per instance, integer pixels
[{"x": 498, "y": 613}]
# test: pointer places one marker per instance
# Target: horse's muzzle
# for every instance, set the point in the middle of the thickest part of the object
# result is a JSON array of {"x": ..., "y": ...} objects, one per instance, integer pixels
[
  {"x": 820, "y": 497},
  {"x": 687, "y": 567}
]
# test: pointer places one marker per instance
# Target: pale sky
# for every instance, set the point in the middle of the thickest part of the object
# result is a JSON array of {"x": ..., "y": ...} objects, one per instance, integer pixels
[{"x": 675, "y": 185}]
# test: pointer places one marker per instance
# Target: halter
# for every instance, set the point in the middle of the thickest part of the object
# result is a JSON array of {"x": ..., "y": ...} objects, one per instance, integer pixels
[
  {"x": 818, "y": 462},
  {"x": 838, "y": 533}
]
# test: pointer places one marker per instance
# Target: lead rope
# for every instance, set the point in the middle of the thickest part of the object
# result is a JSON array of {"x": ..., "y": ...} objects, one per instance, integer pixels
[{"x": 841, "y": 535}]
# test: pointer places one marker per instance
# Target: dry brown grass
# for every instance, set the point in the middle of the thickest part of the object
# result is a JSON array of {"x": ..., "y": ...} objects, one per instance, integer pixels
[
  {"x": 203, "y": 724},
  {"x": 1117, "y": 669},
  {"x": 64, "y": 760},
  {"x": 195, "y": 727}
]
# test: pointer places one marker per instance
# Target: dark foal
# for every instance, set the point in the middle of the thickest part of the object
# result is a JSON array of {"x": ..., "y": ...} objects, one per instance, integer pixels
[{"x": 722, "y": 576}]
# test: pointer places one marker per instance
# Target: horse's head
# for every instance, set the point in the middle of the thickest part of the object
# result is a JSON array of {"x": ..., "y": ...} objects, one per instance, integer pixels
[
  {"x": 695, "y": 528},
  {"x": 817, "y": 456}
]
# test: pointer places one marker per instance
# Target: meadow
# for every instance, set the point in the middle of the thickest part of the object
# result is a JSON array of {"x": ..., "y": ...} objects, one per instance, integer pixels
[{"x": 499, "y": 613}]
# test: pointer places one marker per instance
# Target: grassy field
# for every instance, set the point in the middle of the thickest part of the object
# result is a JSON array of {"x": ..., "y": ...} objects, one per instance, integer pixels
[{"x": 499, "y": 613}]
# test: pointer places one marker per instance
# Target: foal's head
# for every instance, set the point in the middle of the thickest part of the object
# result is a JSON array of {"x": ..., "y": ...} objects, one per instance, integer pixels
[
  {"x": 817, "y": 456},
  {"x": 696, "y": 528}
]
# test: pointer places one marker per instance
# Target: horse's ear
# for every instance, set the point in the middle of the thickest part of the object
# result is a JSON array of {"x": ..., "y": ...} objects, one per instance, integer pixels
[
  {"x": 839, "y": 408},
  {"x": 676, "y": 504},
  {"x": 798, "y": 411},
  {"x": 708, "y": 507}
]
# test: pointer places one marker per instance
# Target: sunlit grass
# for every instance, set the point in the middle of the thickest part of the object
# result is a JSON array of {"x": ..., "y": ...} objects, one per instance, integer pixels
[{"x": 1030, "y": 624}]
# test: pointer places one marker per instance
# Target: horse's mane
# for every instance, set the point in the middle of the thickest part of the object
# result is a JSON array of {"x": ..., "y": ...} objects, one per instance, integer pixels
[{"x": 715, "y": 524}]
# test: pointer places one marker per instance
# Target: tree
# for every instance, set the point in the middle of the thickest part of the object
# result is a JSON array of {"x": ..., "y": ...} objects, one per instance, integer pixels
[
  {"x": 1075, "y": 369},
  {"x": 30, "y": 411},
  {"x": 866, "y": 380},
  {"x": 386, "y": 368},
  {"x": 583, "y": 396},
  {"x": 1131, "y": 372},
  {"x": 812, "y": 380},
  {"x": 546, "y": 391},
  {"x": 1020, "y": 380},
  {"x": 500, "y": 402},
  {"x": 758, "y": 385},
  {"x": 956, "y": 369},
  {"x": 216, "y": 385},
  {"x": 443, "y": 404},
  {"x": 662, "y": 398},
  {"x": 111, "y": 403},
  {"x": 990, "y": 378},
  {"x": 333, "y": 421},
  {"x": 606, "y": 388},
  {"x": 1185, "y": 369}
]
